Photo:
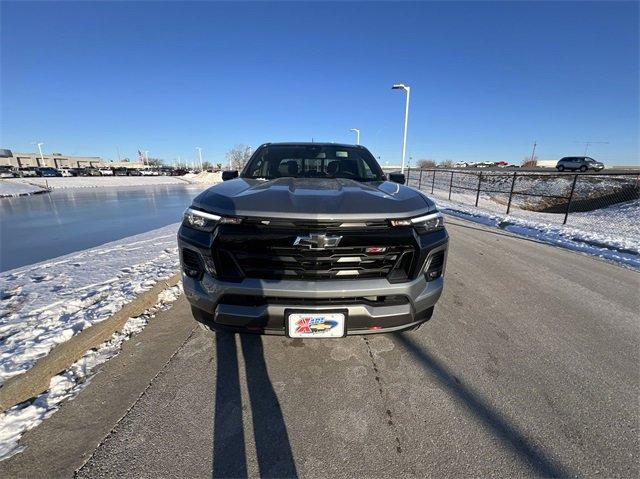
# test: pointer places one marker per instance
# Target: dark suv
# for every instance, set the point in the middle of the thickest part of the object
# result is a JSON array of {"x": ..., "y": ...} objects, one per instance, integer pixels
[
  {"x": 312, "y": 240},
  {"x": 581, "y": 163}
]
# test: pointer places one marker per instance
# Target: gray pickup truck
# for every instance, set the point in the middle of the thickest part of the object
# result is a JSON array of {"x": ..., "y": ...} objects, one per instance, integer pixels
[{"x": 312, "y": 240}]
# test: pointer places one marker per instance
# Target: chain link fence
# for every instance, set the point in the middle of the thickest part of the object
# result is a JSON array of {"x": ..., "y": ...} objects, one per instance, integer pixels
[{"x": 586, "y": 201}]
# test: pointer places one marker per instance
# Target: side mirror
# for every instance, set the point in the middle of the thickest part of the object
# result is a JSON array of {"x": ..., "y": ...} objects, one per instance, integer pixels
[
  {"x": 397, "y": 178},
  {"x": 229, "y": 175}
]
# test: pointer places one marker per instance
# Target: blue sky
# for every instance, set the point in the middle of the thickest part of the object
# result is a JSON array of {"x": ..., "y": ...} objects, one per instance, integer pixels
[{"x": 487, "y": 78}]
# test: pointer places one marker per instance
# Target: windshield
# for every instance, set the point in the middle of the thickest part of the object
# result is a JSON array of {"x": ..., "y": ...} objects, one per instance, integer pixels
[{"x": 311, "y": 161}]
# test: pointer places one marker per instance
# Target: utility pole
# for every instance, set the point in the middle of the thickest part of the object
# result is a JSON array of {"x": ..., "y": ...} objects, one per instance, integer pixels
[
  {"x": 533, "y": 153},
  {"x": 146, "y": 157},
  {"x": 588, "y": 143}
]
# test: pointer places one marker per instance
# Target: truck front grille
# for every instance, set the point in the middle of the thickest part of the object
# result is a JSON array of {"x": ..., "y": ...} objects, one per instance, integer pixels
[
  {"x": 334, "y": 263},
  {"x": 248, "y": 251}
]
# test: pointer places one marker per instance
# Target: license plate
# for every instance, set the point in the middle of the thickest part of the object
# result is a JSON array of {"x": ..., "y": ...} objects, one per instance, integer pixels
[{"x": 316, "y": 325}]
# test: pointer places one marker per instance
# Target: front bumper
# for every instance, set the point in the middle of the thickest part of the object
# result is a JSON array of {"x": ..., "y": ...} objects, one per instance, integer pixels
[{"x": 413, "y": 303}]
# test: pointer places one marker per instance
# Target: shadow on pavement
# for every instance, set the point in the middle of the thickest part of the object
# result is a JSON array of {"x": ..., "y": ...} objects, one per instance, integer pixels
[
  {"x": 508, "y": 434},
  {"x": 273, "y": 449}
]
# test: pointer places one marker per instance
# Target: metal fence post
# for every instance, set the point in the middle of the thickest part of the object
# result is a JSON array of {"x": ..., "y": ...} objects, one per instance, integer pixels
[
  {"x": 408, "y": 179},
  {"x": 513, "y": 183},
  {"x": 433, "y": 183},
  {"x": 450, "y": 185},
  {"x": 478, "y": 192},
  {"x": 573, "y": 187},
  {"x": 420, "y": 179}
]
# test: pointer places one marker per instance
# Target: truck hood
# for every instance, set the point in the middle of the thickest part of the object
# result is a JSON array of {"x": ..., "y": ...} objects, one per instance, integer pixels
[{"x": 313, "y": 198}]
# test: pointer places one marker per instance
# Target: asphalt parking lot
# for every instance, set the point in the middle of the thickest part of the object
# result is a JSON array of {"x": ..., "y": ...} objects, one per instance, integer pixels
[{"x": 529, "y": 367}]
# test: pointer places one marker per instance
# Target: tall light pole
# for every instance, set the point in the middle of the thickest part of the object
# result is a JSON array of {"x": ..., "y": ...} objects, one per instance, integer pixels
[
  {"x": 200, "y": 157},
  {"x": 407, "y": 89},
  {"x": 357, "y": 135},
  {"x": 40, "y": 150}
]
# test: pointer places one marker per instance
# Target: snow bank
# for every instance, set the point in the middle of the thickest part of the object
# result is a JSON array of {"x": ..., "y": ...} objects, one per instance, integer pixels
[
  {"x": 100, "y": 181},
  {"x": 595, "y": 237},
  {"x": 10, "y": 188},
  {"x": 45, "y": 304},
  {"x": 17, "y": 420},
  {"x": 204, "y": 177}
]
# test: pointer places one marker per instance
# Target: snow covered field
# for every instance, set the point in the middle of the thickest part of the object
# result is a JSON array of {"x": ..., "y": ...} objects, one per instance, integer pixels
[
  {"x": 598, "y": 233},
  {"x": 45, "y": 304}
]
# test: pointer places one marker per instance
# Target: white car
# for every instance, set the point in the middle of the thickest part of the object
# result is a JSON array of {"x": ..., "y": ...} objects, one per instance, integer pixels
[
  {"x": 7, "y": 171},
  {"x": 65, "y": 172},
  {"x": 106, "y": 171}
]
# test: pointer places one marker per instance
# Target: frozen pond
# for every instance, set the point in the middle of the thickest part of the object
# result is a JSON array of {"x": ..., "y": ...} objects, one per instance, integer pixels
[{"x": 40, "y": 227}]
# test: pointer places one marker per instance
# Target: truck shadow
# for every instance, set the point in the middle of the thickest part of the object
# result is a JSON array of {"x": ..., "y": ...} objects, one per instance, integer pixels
[
  {"x": 533, "y": 456},
  {"x": 273, "y": 449}
]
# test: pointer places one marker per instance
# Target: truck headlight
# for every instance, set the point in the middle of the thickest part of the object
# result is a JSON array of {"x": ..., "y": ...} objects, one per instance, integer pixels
[
  {"x": 423, "y": 224},
  {"x": 203, "y": 221},
  {"x": 428, "y": 223}
]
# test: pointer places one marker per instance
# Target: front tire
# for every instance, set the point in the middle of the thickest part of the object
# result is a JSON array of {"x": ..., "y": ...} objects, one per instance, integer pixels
[
  {"x": 561, "y": 168},
  {"x": 583, "y": 168}
]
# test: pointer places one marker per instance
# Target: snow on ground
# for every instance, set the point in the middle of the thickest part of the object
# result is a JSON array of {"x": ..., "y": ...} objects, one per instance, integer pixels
[
  {"x": 612, "y": 232},
  {"x": 100, "y": 181},
  {"x": 17, "y": 420},
  {"x": 204, "y": 177},
  {"x": 10, "y": 188},
  {"x": 45, "y": 304},
  {"x": 594, "y": 236}
]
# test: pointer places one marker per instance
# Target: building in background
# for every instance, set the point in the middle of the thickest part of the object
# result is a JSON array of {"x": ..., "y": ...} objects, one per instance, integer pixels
[{"x": 58, "y": 160}]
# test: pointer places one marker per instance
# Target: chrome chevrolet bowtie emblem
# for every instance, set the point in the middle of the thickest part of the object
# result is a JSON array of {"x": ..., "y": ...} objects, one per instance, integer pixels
[{"x": 317, "y": 241}]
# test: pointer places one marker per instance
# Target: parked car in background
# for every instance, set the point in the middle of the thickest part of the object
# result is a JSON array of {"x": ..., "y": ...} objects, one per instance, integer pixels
[
  {"x": 134, "y": 172},
  {"x": 67, "y": 172},
  {"x": 7, "y": 171},
  {"x": 27, "y": 171},
  {"x": 47, "y": 171},
  {"x": 120, "y": 171},
  {"x": 179, "y": 172},
  {"x": 90, "y": 171},
  {"x": 106, "y": 171},
  {"x": 501, "y": 164},
  {"x": 579, "y": 163}
]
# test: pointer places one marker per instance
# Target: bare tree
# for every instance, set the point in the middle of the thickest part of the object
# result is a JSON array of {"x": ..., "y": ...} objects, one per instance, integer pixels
[
  {"x": 155, "y": 162},
  {"x": 238, "y": 156},
  {"x": 425, "y": 164},
  {"x": 206, "y": 165},
  {"x": 528, "y": 162},
  {"x": 446, "y": 164}
]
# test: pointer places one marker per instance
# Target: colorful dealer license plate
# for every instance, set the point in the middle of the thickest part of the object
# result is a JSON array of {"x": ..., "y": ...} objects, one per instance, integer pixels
[{"x": 316, "y": 325}]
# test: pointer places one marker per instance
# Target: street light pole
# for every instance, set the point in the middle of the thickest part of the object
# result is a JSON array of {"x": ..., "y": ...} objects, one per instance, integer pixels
[
  {"x": 200, "y": 157},
  {"x": 407, "y": 89},
  {"x": 357, "y": 135},
  {"x": 41, "y": 155}
]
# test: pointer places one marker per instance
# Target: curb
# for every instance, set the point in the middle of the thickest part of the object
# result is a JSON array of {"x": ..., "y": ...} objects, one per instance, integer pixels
[{"x": 36, "y": 380}]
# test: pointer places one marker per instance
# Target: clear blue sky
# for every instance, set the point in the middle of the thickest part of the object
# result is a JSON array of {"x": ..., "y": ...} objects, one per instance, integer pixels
[{"x": 487, "y": 78}]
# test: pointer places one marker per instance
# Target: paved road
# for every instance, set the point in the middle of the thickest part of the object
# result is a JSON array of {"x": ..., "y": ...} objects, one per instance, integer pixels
[{"x": 529, "y": 367}]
